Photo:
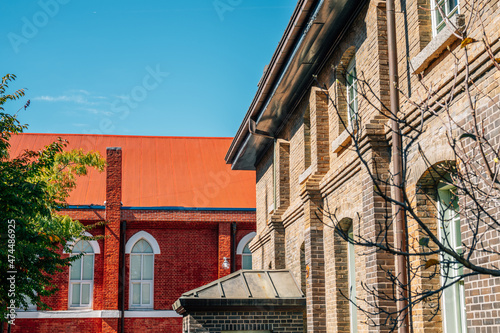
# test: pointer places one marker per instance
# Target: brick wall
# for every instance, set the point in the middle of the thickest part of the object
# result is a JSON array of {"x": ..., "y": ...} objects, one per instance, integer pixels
[
  {"x": 274, "y": 321},
  {"x": 87, "y": 325},
  {"x": 343, "y": 184},
  {"x": 189, "y": 258}
]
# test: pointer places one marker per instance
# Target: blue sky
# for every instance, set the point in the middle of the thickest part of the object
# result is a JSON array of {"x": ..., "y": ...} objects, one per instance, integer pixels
[{"x": 171, "y": 68}]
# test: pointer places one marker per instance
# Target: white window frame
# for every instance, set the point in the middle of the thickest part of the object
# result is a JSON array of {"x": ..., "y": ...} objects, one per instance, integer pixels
[
  {"x": 241, "y": 246},
  {"x": 82, "y": 282},
  {"x": 128, "y": 250},
  {"x": 438, "y": 26},
  {"x": 447, "y": 214},
  {"x": 351, "y": 273},
  {"x": 351, "y": 99},
  {"x": 142, "y": 282}
]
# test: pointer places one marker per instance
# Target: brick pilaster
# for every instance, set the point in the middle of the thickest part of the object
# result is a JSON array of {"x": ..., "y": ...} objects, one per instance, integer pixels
[
  {"x": 224, "y": 248},
  {"x": 314, "y": 255},
  {"x": 376, "y": 211},
  {"x": 112, "y": 234}
]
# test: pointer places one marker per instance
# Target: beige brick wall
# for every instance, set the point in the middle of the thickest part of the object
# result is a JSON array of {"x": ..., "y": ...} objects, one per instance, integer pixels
[{"x": 340, "y": 182}]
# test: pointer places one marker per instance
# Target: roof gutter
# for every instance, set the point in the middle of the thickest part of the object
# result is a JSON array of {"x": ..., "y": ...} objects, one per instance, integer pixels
[{"x": 163, "y": 208}]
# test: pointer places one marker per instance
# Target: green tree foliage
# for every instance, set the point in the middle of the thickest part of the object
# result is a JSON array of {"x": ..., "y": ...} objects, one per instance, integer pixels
[{"x": 34, "y": 187}]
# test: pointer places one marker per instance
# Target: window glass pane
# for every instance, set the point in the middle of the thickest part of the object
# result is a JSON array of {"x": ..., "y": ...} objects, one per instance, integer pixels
[
  {"x": 75, "y": 292},
  {"x": 77, "y": 248},
  {"x": 146, "y": 299},
  {"x": 142, "y": 246},
  {"x": 135, "y": 267},
  {"x": 452, "y": 4},
  {"x": 76, "y": 269},
  {"x": 87, "y": 248},
  {"x": 88, "y": 267},
  {"x": 147, "y": 273},
  {"x": 439, "y": 18},
  {"x": 449, "y": 310},
  {"x": 246, "y": 262},
  {"x": 85, "y": 294},
  {"x": 82, "y": 246},
  {"x": 246, "y": 249},
  {"x": 453, "y": 299},
  {"x": 136, "y": 293},
  {"x": 138, "y": 247},
  {"x": 146, "y": 247}
]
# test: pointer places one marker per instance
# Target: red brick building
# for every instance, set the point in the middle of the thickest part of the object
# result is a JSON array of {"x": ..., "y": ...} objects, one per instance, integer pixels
[{"x": 177, "y": 218}]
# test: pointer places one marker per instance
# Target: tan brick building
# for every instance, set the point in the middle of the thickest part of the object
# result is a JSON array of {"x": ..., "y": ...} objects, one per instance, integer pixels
[{"x": 294, "y": 135}]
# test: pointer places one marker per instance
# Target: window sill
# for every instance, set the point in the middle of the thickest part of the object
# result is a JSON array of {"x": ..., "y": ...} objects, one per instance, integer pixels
[
  {"x": 270, "y": 209},
  {"x": 80, "y": 308},
  {"x": 342, "y": 141},
  {"x": 437, "y": 45},
  {"x": 305, "y": 175}
]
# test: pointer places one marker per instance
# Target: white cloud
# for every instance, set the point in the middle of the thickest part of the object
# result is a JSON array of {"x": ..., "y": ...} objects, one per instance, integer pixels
[{"x": 64, "y": 98}]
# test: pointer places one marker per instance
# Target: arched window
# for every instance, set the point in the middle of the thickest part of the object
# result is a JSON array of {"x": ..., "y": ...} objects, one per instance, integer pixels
[
  {"x": 246, "y": 258},
  {"x": 351, "y": 268},
  {"x": 244, "y": 251},
  {"x": 81, "y": 279},
  {"x": 141, "y": 274},
  {"x": 453, "y": 301}
]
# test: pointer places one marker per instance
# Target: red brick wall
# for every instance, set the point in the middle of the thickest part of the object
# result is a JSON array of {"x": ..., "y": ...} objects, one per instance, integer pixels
[
  {"x": 169, "y": 325},
  {"x": 84, "y": 325},
  {"x": 189, "y": 258},
  {"x": 93, "y": 325}
]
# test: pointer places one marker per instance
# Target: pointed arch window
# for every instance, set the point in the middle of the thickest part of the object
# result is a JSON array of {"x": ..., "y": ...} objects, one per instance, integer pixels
[
  {"x": 246, "y": 258},
  {"x": 141, "y": 275},
  {"x": 243, "y": 249},
  {"x": 81, "y": 280}
]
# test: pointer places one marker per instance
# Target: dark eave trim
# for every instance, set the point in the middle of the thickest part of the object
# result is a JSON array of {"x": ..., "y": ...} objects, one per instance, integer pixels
[
  {"x": 185, "y": 305},
  {"x": 175, "y": 208}
]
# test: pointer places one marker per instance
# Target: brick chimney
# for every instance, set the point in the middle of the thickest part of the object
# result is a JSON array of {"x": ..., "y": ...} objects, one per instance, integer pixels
[{"x": 112, "y": 233}]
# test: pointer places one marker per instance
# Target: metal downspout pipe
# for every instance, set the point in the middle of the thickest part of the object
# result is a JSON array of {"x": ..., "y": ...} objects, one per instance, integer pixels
[
  {"x": 397, "y": 166},
  {"x": 122, "y": 277}
]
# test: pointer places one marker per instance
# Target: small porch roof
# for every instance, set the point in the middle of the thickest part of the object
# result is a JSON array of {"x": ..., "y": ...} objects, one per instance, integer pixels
[{"x": 245, "y": 289}]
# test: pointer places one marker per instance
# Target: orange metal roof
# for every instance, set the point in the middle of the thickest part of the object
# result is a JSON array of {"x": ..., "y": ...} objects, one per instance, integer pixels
[{"x": 157, "y": 171}]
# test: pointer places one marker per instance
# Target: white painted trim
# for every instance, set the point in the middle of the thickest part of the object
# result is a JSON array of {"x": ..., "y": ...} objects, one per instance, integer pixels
[
  {"x": 152, "y": 314},
  {"x": 96, "y": 314},
  {"x": 69, "y": 314},
  {"x": 142, "y": 235},
  {"x": 93, "y": 243},
  {"x": 244, "y": 241}
]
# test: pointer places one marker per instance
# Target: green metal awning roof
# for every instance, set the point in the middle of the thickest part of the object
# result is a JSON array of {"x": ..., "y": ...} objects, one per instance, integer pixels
[{"x": 245, "y": 289}]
